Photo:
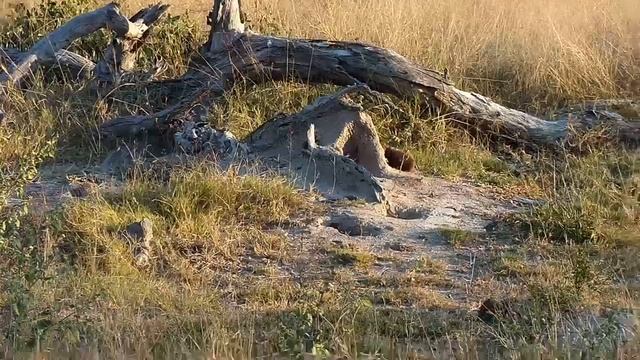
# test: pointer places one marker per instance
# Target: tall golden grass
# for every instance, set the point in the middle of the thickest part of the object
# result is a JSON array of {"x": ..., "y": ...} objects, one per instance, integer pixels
[
  {"x": 531, "y": 54},
  {"x": 534, "y": 55},
  {"x": 204, "y": 292}
]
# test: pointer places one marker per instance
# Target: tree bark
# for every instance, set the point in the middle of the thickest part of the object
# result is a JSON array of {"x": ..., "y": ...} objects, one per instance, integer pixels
[
  {"x": 258, "y": 58},
  {"x": 120, "y": 56},
  {"x": 44, "y": 50},
  {"x": 226, "y": 24}
]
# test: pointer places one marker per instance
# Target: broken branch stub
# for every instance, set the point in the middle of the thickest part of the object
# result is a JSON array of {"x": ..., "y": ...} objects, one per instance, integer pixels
[
  {"x": 119, "y": 57},
  {"x": 140, "y": 234},
  {"x": 50, "y": 48},
  {"x": 226, "y": 24}
]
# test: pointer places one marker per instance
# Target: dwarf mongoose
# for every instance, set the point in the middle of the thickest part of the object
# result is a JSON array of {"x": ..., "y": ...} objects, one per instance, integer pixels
[{"x": 399, "y": 159}]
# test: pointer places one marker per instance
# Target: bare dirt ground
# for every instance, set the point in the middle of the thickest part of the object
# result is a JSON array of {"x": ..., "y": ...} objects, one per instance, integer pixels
[
  {"x": 414, "y": 223},
  {"x": 431, "y": 244},
  {"x": 449, "y": 224}
]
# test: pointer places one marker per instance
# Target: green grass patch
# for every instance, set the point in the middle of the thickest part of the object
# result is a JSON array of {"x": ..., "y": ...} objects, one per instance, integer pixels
[
  {"x": 593, "y": 198},
  {"x": 197, "y": 213},
  {"x": 352, "y": 256},
  {"x": 458, "y": 237}
]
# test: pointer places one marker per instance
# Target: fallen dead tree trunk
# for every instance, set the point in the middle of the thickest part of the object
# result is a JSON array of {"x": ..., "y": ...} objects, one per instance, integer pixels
[
  {"x": 77, "y": 65},
  {"x": 235, "y": 54},
  {"x": 50, "y": 49}
]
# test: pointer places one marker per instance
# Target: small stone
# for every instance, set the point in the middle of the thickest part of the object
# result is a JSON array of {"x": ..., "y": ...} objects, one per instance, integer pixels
[
  {"x": 141, "y": 231},
  {"x": 141, "y": 256},
  {"x": 398, "y": 246},
  {"x": 352, "y": 225},
  {"x": 141, "y": 234}
]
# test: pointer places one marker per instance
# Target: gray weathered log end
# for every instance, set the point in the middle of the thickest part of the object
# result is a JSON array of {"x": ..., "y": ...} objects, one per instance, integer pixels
[{"x": 77, "y": 65}]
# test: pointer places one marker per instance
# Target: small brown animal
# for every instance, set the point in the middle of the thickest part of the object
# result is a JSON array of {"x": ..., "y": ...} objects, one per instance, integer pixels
[
  {"x": 400, "y": 159},
  {"x": 498, "y": 310},
  {"x": 489, "y": 310}
]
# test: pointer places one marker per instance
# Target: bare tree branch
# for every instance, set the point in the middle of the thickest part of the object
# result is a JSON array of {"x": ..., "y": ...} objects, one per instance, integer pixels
[
  {"x": 120, "y": 56},
  {"x": 44, "y": 50}
]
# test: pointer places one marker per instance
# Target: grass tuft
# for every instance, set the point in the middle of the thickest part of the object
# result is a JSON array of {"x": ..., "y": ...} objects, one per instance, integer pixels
[
  {"x": 458, "y": 237},
  {"x": 223, "y": 279},
  {"x": 352, "y": 256}
]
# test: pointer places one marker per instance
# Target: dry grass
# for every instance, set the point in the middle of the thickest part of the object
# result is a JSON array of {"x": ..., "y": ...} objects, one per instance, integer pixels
[
  {"x": 224, "y": 281},
  {"x": 204, "y": 215},
  {"x": 532, "y": 55}
]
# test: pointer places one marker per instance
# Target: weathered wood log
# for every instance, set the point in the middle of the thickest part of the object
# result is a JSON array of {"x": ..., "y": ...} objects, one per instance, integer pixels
[
  {"x": 11, "y": 54},
  {"x": 77, "y": 65},
  {"x": 258, "y": 58},
  {"x": 130, "y": 126},
  {"x": 226, "y": 24},
  {"x": 120, "y": 56},
  {"x": 263, "y": 58},
  {"x": 45, "y": 49}
]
